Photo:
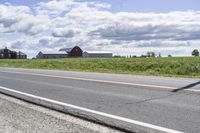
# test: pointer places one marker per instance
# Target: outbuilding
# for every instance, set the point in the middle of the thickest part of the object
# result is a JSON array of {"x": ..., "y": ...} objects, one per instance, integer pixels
[
  {"x": 21, "y": 55},
  {"x": 9, "y": 54},
  {"x": 97, "y": 54},
  {"x": 47, "y": 54}
]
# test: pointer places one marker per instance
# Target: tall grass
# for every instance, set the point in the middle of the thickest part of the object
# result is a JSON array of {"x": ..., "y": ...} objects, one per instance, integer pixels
[{"x": 176, "y": 66}]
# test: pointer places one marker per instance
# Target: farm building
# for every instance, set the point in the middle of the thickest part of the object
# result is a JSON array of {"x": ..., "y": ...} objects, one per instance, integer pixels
[
  {"x": 21, "y": 55},
  {"x": 73, "y": 52},
  {"x": 97, "y": 54},
  {"x": 9, "y": 54},
  {"x": 46, "y": 55}
]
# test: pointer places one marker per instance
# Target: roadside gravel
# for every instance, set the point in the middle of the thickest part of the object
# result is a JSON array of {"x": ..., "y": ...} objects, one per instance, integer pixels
[{"x": 17, "y": 116}]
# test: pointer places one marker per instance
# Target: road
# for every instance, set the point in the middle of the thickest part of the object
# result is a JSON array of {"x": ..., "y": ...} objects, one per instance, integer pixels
[{"x": 172, "y": 103}]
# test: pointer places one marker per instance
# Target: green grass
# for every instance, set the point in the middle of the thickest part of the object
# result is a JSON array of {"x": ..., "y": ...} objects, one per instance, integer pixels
[{"x": 176, "y": 66}]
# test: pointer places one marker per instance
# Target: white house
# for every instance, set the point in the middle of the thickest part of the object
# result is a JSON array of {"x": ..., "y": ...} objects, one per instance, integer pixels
[
  {"x": 47, "y": 54},
  {"x": 97, "y": 54}
]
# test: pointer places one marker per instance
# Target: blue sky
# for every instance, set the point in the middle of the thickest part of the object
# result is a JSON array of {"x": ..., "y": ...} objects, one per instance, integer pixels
[
  {"x": 153, "y": 5},
  {"x": 125, "y": 27},
  {"x": 133, "y": 5},
  {"x": 22, "y": 2}
]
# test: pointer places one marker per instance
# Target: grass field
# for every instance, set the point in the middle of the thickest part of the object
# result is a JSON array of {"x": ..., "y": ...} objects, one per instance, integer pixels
[{"x": 176, "y": 66}]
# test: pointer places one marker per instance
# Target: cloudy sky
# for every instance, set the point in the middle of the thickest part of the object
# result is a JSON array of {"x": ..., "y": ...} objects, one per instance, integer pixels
[{"x": 121, "y": 26}]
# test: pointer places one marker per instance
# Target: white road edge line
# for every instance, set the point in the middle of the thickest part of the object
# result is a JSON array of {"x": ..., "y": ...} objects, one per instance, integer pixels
[
  {"x": 95, "y": 112},
  {"x": 101, "y": 81}
]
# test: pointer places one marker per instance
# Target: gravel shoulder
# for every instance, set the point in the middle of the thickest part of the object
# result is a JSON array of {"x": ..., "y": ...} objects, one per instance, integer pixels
[{"x": 17, "y": 116}]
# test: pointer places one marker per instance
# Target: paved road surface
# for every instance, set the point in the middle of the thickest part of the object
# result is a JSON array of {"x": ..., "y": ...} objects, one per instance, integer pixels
[{"x": 167, "y": 102}]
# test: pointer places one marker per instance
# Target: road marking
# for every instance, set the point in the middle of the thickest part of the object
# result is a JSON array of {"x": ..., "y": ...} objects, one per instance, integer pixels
[
  {"x": 139, "y": 123},
  {"x": 100, "y": 81}
]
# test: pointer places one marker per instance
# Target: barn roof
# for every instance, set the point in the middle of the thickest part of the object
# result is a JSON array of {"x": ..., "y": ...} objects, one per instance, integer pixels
[
  {"x": 98, "y": 52},
  {"x": 20, "y": 53},
  {"x": 53, "y": 52},
  {"x": 66, "y": 49}
]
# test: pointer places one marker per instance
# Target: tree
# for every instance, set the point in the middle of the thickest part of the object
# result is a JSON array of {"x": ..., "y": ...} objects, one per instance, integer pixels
[
  {"x": 134, "y": 56},
  {"x": 117, "y": 56},
  {"x": 195, "y": 52},
  {"x": 159, "y": 55},
  {"x": 143, "y": 56},
  {"x": 169, "y": 55},
  {"x": 151, "y": 54}
]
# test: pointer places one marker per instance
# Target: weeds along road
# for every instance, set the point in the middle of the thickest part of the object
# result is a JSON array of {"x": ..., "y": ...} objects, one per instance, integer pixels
[{"x": 164, "y": 104}]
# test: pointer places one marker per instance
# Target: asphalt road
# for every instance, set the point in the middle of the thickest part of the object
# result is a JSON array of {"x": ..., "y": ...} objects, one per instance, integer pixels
[{"x": 167, "y": 102}]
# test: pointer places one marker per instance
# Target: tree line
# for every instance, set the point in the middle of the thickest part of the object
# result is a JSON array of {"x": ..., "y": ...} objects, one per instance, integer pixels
[{"x": 151, "y": 54}]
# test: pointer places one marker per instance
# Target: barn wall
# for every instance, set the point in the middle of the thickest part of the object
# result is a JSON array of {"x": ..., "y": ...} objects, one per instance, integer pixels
[
  {"x": 46, "y": 56},
  {"x": 97, "y": 55},
  {"x": 75, "y": 52}
]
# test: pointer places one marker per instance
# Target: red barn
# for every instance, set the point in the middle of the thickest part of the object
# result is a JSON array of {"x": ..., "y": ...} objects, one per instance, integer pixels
[{"x": 73, "y": 52}]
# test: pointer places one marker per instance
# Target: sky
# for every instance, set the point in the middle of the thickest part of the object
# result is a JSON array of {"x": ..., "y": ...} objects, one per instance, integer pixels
[{"x": 124, "y": 27}]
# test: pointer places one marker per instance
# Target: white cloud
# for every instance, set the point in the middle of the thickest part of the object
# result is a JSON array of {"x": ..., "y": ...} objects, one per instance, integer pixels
[
  {"x": 65, "y": 23},
  {"x": 20, "y": 19},
  {"x": 149, "y": 26},
  {"x": 63, "y": 32}
]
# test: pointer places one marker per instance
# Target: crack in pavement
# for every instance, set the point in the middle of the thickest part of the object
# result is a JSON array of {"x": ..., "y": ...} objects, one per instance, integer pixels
[{"x": 156, "y": 98}]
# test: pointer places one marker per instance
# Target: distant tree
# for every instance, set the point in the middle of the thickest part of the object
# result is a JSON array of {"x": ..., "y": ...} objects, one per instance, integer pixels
[
  {"x": 159, "y": 55},
  {"x": 169, "y": 55},
  {"x": 195, "y": 52},
  {"x": 151, "y": 54},
  {"x": 134, "y": 56},
  {"x": 116, "y": 56},
  {"x": 143, "y": 56}
]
